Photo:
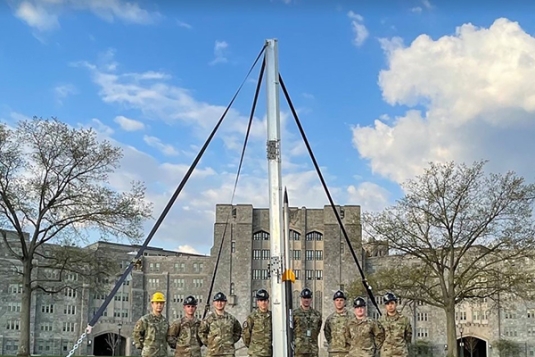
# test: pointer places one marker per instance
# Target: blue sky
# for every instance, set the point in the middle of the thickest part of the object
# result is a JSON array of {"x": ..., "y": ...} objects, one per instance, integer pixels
[{"x": 382, "y": 88}]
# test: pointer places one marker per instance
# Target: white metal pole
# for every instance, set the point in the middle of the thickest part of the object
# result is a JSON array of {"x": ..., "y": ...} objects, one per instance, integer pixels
[{"x": 278, "y": 303}]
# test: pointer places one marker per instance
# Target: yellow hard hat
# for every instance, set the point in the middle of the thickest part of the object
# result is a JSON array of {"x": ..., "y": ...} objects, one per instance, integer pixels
[{"x": 158, "y": 297}]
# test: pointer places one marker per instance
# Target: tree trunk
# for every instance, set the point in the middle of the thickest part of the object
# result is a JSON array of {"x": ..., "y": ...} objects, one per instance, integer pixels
[
  {"x": 25, "y": 309},
  {"x": 451, "y": 330}
]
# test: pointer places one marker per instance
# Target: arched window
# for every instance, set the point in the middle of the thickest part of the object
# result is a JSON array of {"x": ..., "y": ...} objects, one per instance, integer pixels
[
  {"x": 261, "y": 235},
  {"x": 318, "y": 298},
  {"x": 315, "y": 235},
  {"x": 294, "y": 235}
]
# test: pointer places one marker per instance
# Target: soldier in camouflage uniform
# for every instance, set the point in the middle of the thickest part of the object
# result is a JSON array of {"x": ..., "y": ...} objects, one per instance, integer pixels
[
  {"x": 307, "y": 325},
  {"x": 364, "y": 336},
  {"x": 150, "y": 331},
  {"x": 335, "y": 326},
  {"x": 220, "y": 330},
  {"x": 398, "y": 329},
  {"x": 257, "y": 330},
  {"x": 183, "y": 333}
]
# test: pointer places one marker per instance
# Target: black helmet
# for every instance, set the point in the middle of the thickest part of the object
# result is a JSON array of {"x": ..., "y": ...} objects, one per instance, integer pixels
[
  {"x": 262, "y": 294},
  {"x": 389, "y": 296},
  {"x": 306, "y": 293},
  {"x": 339, "y": 295},
  {"x": 220, "y": 297},
  {"x": 190, "y": 300},
  {"x": 359, "y": 302}
]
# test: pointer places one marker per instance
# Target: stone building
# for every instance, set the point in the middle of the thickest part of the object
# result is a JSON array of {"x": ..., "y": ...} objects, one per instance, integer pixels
[{"x": 320, "y": 257}]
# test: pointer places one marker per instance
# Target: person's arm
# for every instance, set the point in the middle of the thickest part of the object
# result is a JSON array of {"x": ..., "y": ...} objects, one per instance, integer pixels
[
  {"x": 173, "y": 333},
  {"x": 204, "y": 328},
  {"x": 379, "y": 333},
  {"x": 246, "y": 331},
  {"x": 139, "y": 333},
  {"x": 327, "y": 331},
  {"x": 237, "y": 331}
]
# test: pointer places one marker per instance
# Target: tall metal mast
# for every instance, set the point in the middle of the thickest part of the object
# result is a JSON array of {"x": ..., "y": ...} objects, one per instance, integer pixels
[{"x": 278, "y": 292}]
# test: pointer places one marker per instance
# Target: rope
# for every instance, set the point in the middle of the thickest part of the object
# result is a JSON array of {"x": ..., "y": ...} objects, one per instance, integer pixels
[
  {"x": 251, "y": 116},
  {"x": 164, "y": 213},
  {"x": 331, "y": 201}
]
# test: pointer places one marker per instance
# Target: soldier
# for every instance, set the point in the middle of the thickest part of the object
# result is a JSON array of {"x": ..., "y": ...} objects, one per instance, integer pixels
[
  {"x": 220, "y": 330},
  {"x": 364, "y": 336},
  {"x": 335, "y": 326},
  {"x": 257, "y": 332},
  {"x": 183, "y": 333},
  {"x": 398, "y": 329},
  {"x": 307, "y": 326},
  {"x": 150, "y": 331}
]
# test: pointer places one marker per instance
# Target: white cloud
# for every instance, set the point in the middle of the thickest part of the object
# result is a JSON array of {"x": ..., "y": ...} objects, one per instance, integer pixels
[
  {"x": 166, "y": 149},
  {"x": 427, "y": 4},
  {"x": 43, "y": 15},
  {"x": 359, "y": 30},
  {"x": 369, "y": 195},
  {"x": 128, "y": 124},
  {"x": 473, "y": 98},
  {"x": 417, "y": 9},
  {"x": 184, "y": 24},
  {"x": 63, "y": 91},
  {"x": 187, "y": 249},
  {"x": 220, "y": 52}
]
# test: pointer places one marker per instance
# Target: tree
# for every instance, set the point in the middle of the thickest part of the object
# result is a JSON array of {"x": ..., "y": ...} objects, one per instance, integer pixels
[
  {"x": 54, "y": 189},
  {"x": 112, "y": 340},
  {"x": 471, "y": 344},
  {"x": 458, "y": 234},
  {"x": 507, "y": 348}
]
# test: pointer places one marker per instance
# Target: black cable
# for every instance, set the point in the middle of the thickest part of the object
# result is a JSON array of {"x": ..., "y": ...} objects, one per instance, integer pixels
[
  {"x": 331, "y": 201},
  {"x": 171, "y": 201},
  {"x": 251, "y": 116}
]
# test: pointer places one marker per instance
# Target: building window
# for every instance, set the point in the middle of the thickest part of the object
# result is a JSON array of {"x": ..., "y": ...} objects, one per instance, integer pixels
[
  {"x": 265, "y": 254},
  {"x": 231, "y": 288},
  {"x": 314, "y": 236},
  {"x": 13, "y": 325},
  {"x": 198, "y": 283},
  {"x": 309, "y": 255},
  {"x": 68, "y": 326},
  {"x": 13, "y": 307},
  {"x": 422, "y": 316},
  {"x": 297, "y": 274},
  {"x": 261, "y": 235},
  {"x": 294, "y": 235},
  {"x": 69, "y": 310},
  {"x": 531, "y": 313},
  {"x": 46, "y": 326},
  {"x": 178, "y": 298},
  {"x": 296, "y": 254},
  {"x": 233, "y": 246},
  {"x": 154, "y": 266},
  {"x": 319, "y": 254},
  {"x": 69, "y": 292},
  {"x": 15, "y": 288},
  {"x": 257, "y": 254},
  {"x": 422, "y": 332},
  {"x": 309, "y": 274},
  {"x": 154, "y": 283},
  {"x": 319, "y": 274}
]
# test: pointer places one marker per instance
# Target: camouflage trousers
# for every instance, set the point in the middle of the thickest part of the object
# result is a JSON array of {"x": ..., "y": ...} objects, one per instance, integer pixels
[
  {"x": 337, "y": 354},
  {"x": 306, "y": 355}
]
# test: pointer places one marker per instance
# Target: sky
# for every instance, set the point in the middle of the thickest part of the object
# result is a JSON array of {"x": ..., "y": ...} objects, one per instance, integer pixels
[{"x": 382, "y": 88}]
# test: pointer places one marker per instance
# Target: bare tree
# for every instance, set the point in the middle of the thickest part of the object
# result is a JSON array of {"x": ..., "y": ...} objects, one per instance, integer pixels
[
  {"x": 471, "y": 344},
  {"x": 112, "y": 340},
  {"x": 54, "y": 190},
  {"x": 458, "y": 234}
]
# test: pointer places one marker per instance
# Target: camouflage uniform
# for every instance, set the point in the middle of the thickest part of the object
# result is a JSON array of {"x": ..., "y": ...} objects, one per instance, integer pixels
[
  {"x": 150, "y": 335},
  {"x": 183, "y": 337},
  {"x": 257, "y": 334},
  {"x": 307, "y": 326},
  {"x": 219, "y": 333},
  {"x": 363, "y": 337},
  {"x": 334, "y": 333},
  {"x": 398, "y": 335}
]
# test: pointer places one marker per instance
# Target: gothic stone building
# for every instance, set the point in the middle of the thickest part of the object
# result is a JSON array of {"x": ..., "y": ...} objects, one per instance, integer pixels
[{"x": 319, "y": 255}]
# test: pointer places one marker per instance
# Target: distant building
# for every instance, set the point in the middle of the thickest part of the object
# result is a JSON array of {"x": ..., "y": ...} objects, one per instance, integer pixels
[{"x": 320, "y": 257}]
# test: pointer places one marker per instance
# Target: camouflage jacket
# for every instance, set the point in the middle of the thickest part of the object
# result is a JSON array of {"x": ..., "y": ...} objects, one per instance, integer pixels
[
  {"x": 257, "y": 334},
  {"x": 307, "y": 326},
  {"x": 398, "y": 335},
  {"x": 183, "y": 337},
  {"x": 219, "y": 333},
  {"x": 363, "y": 337},
  {"x": 150, "y": 335},
  {"x": 334, "y": 331}
]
